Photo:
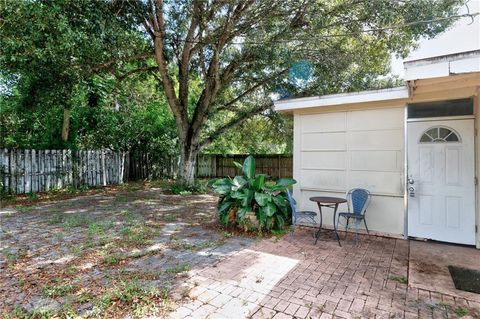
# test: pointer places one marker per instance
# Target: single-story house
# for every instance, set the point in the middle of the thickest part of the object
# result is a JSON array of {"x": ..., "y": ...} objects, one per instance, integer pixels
[{"x": 415, "y": 147}]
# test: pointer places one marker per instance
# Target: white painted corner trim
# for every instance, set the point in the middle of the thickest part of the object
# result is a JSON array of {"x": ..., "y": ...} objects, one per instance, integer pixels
[{"x": 344, "y": 98}]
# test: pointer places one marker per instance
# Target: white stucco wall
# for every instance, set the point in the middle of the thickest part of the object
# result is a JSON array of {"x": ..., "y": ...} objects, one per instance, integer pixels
[{"x": 337, "y": 151}]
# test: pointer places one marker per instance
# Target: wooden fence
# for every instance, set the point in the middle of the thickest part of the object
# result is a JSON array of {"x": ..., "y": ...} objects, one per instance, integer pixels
[
  {"x": 147, "y": 166},
  {"x": 29, "y": 171}
]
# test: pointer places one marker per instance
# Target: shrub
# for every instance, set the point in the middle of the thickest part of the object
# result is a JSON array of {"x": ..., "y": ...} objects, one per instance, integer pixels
[
  {"x": 250, "y": 202},
  {"x": 181, "y": 189}
]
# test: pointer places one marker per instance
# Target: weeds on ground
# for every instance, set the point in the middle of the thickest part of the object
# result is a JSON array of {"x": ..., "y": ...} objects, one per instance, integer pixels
[
  {"x": 400, "y": 279},
  {"x": 59, "y": 290},
  {"x": 179, "y": 268},
  {"x": 461, "y": 311},
  {"x": 76, "y": 221},
  {"x": 130, "y": 294},
  {"x": 55, "y": 218}
]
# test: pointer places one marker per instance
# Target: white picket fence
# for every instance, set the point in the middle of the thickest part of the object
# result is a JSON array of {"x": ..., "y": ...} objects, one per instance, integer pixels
[{"x": 30, "y": 171}]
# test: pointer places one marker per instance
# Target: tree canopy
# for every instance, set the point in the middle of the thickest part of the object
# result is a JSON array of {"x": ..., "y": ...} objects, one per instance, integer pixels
[{"x": 217, "y": 64}]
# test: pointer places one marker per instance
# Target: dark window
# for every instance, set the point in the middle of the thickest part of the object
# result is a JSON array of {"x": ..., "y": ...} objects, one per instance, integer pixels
[{"x": 442, "y": 108}]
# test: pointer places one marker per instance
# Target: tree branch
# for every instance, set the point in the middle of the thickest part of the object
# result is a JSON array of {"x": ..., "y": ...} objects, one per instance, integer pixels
[{"x": 239, "y": 119}]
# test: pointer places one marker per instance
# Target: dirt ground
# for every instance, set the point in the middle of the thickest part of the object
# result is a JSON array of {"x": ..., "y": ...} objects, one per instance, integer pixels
[{"x": 110, "y": 254}]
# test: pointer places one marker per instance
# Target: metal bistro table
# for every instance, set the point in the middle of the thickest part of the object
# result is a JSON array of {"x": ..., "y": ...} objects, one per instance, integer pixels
[{"x": 330, "y": 202}]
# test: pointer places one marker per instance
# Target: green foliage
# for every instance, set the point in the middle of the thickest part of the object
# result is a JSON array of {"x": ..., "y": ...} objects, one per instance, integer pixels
[
  {"x": 198, "y": 187},
  {"x": 249, "y": 194},
  {"x": 461, "y": 311},
  {"x": 59, "y": 290}
]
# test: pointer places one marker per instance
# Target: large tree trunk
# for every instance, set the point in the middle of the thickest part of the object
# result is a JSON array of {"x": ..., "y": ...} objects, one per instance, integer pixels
[
  {"x": 66, "y": 124},
  {"x": 188, "y": 160}
]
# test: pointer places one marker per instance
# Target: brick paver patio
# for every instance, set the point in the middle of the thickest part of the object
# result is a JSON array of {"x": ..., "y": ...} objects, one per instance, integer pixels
[
  {"x": 147, "y": 254},
  {"x": 291, "y": 278}
]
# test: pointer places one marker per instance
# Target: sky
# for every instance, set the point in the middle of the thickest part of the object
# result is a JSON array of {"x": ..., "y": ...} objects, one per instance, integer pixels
[{"x": 462, "y": 36}]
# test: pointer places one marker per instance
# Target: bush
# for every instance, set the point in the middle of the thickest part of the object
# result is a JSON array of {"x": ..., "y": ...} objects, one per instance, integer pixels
[
  {"x": 182, "y": 189},
  {"x": 250, "y": 202}
]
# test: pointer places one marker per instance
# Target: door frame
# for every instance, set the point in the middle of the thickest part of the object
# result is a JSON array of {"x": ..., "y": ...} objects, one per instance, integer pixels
[{"x": 475, "y": 162}]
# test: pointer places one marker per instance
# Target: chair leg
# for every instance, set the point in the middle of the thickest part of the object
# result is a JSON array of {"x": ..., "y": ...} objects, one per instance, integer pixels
[
  {"x": 356, "y": 231},
  {"x": 346, "y": 227},
  {"x": 366, "y": 227}
]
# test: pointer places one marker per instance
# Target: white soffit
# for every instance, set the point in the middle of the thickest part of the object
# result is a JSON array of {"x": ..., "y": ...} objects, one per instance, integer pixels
[
  {"x": 344, "y": 98},
  {"x": 445, "y": 65}
]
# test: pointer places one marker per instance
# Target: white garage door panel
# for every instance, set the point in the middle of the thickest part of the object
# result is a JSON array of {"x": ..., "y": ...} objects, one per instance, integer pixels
[
  {"x": 322, "y": 179},
  {"x": 374, "y": 140},
  {"x": 330, "y": 122},
  {"x": 323, "y": 141},
  {"x": 369, "y": 120},
  {"x": 325, "y": 160},
  {"x": 386, "y": 161},
  {"x": 377, "y": 182}
]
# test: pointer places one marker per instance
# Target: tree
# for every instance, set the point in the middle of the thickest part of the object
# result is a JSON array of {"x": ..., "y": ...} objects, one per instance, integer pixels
[
  {"x": 217, "y": 62},
  {"x": 243, "y": 51},
  {"x": 53, "y": 47}
]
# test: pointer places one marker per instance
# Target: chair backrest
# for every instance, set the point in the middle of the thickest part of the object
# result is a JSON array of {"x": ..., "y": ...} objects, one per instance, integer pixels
[
  {"x": 292, "y": 203},
  {"x": 358, "y": 200}
]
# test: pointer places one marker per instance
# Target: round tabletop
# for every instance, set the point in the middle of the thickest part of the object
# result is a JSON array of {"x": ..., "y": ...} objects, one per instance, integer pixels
[{"x": 328, "y": 200}]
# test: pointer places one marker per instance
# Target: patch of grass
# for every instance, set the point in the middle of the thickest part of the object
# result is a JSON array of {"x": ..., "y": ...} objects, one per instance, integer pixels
[
  {"x": 21, "y": 208},
  {"x": 181, "y": 245},
  {"x": 96, "y": 229},
  {"x": 400, "y": 279},
  {"x": 142, "y": 301},
  {"x": 70, "y": 270},
  {"x": 13, "y": 256},
  {"x": 135, "y": 234},
  {"x": 21, "y": 313},
  {"x": 178, "y": 269},
  {"x": 279, "y": 233},
  {"x": 461, "y": 311},
  {"x": 33, "y": 197},
  {"x": 77, "y": 220},
  {"x": 226, "y": 234},
  {"x": 111, "y": 260},
  {"x": 55, "y": 218},
  {"x": 59, "y": 290}
]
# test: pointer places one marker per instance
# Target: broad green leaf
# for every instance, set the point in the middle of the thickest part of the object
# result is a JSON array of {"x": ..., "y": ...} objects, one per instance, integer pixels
[
  {"x": 238, "y": 182},
  {"x": 237, "y": 165},
  {"x": 285, "y": 182},
  {"x": 249, "y": 167},
  {"x": 248, "y": 197},
  {"x": 262, "y": 198},
  {"x": 279, "y": 201},
  {"x": 224, "y": 206},
  {"x": 270, "y": 209},
  {"x": 223, "y": 189},
  {"x": 259, "y": 182}
]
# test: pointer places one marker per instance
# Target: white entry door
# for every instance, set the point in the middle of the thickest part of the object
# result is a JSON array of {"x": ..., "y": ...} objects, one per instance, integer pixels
[{"x": 441, "y": 180}]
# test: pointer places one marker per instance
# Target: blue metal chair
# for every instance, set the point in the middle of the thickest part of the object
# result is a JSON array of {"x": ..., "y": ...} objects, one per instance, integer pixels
[
  {"x": 358, "y": 200},
  {"x": 297, "y": 216}
]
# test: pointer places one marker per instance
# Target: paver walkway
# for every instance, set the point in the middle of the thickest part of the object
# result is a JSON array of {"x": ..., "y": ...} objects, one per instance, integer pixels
[{"x": 292, "y": 278}]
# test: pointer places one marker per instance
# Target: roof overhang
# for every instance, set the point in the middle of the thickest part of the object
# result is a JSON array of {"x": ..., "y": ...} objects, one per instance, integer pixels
[
  {"x": 396, "y": 93},
  {"x": 441, "y": 66}
]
